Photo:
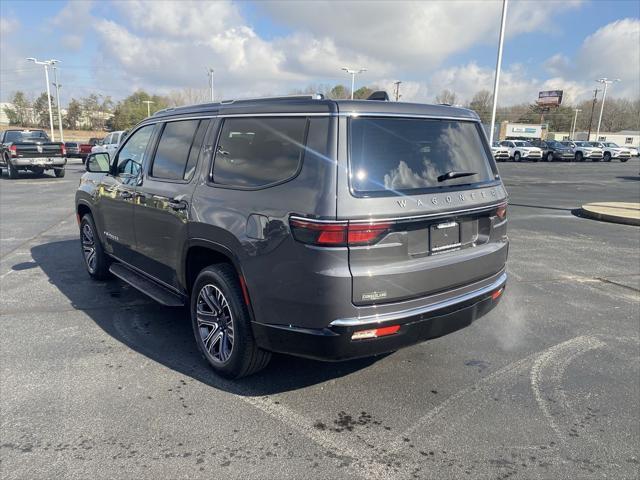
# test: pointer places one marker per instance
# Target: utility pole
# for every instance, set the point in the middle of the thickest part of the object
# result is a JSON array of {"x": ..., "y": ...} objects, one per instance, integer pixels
[
  {"x": 46, "y": 77},
  {"x": 58, "y": 87},
  {"x": 606, "y": 82},
  {"x": 210, "y": 73},
  {"x": 397, "y": 84},
  {"x": 496, "y": 83},
  {"x": 593, "y": 105},
  {"x": 573, "y": 127},
  {"x": 353, "y": 74},
  {"x": 148, "y": 102}
]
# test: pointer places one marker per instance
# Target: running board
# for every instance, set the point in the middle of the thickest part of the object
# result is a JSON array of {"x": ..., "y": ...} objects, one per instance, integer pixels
[{"x": 138, "y": 281}]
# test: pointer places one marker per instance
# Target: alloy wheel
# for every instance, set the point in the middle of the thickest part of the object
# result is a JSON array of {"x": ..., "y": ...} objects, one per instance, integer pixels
[
  {"x": 215, "y": 323},
  {"x": 89, "y": 247}
]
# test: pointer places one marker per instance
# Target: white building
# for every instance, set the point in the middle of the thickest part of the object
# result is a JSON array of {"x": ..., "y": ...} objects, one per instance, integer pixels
[{"x": 624, "y": 138}]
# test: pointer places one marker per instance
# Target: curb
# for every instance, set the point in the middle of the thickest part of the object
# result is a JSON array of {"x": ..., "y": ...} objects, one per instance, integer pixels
[{"x": 614, "y": 212}]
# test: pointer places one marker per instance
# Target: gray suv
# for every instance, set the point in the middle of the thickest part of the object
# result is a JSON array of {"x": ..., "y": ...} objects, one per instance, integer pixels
[{"x": 313, "y": 227}]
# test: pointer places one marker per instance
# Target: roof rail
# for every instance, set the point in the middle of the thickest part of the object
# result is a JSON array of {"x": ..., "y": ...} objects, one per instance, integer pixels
[{"x": 311, "y": 96}]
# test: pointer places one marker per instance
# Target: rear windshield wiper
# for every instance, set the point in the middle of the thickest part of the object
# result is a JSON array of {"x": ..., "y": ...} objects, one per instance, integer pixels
[{"x": 449, "y": 175}]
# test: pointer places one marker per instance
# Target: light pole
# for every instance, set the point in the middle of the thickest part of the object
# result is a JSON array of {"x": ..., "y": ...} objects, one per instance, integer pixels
[
  {"x": 210, "y": 73},
  {"x": 46, "y": 64},
  {"x": 575, "y": 121},
  {"x": 148, "y": 102},
  {"x": 397, "y": 84},
  {"x": 58, "y": 87},
  {"x": 496, "y": 82},
  {"x": 606, "y": 82},
  {"x": 353, "y": 74}
]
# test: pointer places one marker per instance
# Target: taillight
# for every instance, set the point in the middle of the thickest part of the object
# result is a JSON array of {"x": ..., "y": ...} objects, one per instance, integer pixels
[
  {"x": 14, "y": 150},
  {"x": 337, "y": 234},
  {"x": 64, "y": 150},
  {"x": 501, "y": 211}
]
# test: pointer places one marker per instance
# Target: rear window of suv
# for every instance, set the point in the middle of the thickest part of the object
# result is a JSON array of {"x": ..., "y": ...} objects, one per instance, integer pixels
[{"x": 392, "y": 156}]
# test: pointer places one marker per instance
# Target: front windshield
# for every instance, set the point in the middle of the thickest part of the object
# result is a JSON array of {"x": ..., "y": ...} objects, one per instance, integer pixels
[
  {"x": 611, "y": 144},
  {"x": 523, "y": 144},
  {"x": 583, "y": 144},
  {"x": 27, "y": 136}
]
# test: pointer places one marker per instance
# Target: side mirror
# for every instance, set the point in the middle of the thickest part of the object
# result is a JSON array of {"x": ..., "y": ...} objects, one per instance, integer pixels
[{"x": 98, "y": 163}]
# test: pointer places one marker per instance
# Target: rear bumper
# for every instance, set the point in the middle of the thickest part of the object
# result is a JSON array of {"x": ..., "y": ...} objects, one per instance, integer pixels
[
  {"x": 46, "y": 162},
  {"x": 416, "y": 325}
]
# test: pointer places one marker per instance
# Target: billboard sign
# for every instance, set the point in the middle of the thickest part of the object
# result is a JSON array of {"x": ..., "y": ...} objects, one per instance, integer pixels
[
  {"x": 550, "y": 98},
  {"x": 520, "y": 130}
]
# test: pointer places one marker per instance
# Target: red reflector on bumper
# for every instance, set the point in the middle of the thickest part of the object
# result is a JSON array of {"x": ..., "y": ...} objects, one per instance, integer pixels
[
  {"x": 375, "y": 332},
  {"x": 497, "y": 293}
]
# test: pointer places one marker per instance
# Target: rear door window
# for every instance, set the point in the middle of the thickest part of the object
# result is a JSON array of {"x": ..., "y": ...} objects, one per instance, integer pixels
[
  {"x": 259, "y": 152},
  {"x": 174, "y": 151},
  {"x": 390, "y": 156}
]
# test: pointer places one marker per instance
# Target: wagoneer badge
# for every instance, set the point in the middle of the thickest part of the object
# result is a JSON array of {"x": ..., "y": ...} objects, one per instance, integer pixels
[{"x": 461, "y": 197}]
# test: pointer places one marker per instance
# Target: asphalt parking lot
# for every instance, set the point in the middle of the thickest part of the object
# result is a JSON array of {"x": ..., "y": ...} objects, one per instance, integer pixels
[{"x": 100, "y": 382}]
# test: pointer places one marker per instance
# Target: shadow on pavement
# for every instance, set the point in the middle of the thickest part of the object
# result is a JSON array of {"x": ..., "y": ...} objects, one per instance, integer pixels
[
  {"x": 629, "y": 177},
  {"x": 164, "y": 334}
]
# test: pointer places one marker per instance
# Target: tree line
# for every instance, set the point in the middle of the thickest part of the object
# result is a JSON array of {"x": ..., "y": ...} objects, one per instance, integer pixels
[{"x": 96, "y": 112}]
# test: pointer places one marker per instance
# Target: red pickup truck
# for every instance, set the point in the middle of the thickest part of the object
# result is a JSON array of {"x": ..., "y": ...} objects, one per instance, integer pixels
[{"x": 78, "y": 150}]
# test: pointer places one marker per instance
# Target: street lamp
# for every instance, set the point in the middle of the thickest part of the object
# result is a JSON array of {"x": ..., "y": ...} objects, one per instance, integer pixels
[
  {"x": 46, "y": 64},
  {"x": 496, "y": 81},
  {"x": 575, "y": 121},
  {"x": 353, "y": 74},
  {"x": 606, "y": 82},
  {"x": 148, "y": 102},
  {"x": 58, "y": 87},
  {"x": 210, "y": 73}
]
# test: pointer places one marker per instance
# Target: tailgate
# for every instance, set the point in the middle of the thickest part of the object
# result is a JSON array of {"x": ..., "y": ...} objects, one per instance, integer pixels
[
  {"x": 422, "y": 257},
  {"x": 33, "y": 150}
]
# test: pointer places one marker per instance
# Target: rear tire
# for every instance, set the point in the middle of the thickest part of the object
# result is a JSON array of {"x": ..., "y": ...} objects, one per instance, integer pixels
[
  {"x": 96, "y": 260},
  {"x": 222, "y": 325},
  {"x": 623, "y": 160},
  {"x": 13, "y": 171},
  {"x": 59, "y": 172}
]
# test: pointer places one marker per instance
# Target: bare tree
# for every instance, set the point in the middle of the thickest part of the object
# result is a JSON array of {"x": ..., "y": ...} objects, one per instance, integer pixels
[
  {"x": 447, "y": 97},
  {"x": 188, "y": 96}
]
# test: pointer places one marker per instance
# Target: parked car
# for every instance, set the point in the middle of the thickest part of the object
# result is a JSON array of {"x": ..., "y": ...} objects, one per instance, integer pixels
[
  {"x": 501, "y": 154},
  {"x": 110, "y": 143},
  {"x": 634, "y": 151},
  {"x": 85, "y": 150},
  {"x": 302, "y": 225},
  {"x": 31, "y": 150},
  {"x": 73, "y": 149},
  {"x": 521, "y": 149},
  {"x": 584, "y": 150},
  {"x": 613, "y": 150},
  {"x": 552, "y": 150}
]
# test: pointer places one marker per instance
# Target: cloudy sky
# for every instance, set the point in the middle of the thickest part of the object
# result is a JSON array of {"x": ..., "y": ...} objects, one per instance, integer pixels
[{"x": 262, "y": 48}]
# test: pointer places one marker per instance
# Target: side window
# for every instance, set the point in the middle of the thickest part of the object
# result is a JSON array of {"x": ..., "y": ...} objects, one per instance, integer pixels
[
  {"x": 257, "y": 152},
  {"x": 107, "y": 140},
  {"x": 131, "y": 156},
  {"x": 174, "y": 150}
]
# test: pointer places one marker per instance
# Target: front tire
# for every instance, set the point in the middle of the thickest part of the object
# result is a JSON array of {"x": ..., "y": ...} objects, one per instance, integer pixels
[
  {"x": 579, "y": 157},
  {"x": 607, "y": 156},
  {"x": 222, "y": 325},
  {"x": 549, "y": 157},
  {"x": 516, "y": 157},
  {"x": 95, "y": 259}
]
